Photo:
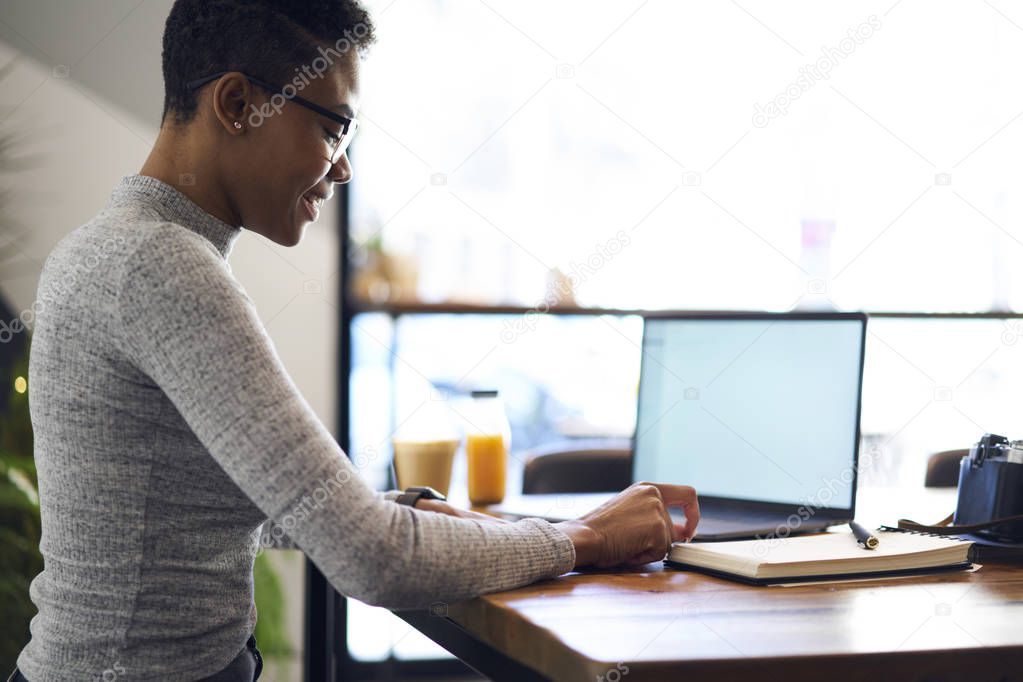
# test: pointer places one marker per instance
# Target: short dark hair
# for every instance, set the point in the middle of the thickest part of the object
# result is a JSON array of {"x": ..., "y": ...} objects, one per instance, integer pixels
[{"x": 269, "y": 39}]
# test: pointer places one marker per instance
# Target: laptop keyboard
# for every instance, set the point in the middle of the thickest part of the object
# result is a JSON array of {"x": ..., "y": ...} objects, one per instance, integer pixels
[
  {"x": 718, "y": 521},
  {"x": 738, "y": 516}
]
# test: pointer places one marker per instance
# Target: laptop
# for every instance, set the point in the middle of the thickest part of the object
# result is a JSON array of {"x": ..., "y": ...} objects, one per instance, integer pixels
[{"x": 759, "y": 412}]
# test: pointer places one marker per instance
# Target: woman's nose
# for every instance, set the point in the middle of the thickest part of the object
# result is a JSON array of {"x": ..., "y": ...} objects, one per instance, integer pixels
[{"x": 341, "y": 172}]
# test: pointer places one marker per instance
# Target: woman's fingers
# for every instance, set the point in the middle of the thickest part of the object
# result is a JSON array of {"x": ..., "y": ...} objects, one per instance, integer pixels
[
  {"x": 670, "y": 531},
  {"x": 634, "y": 527},
  {"x": 684, "y": 497}
]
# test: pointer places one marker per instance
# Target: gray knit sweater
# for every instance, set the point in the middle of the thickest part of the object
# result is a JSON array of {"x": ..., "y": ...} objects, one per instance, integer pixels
[{"x": 167, "y": 432}]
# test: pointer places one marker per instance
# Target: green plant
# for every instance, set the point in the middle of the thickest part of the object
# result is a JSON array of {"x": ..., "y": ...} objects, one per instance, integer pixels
[
  {"x": 20, "y": 560},
  {"x": 20, "y": 526},
  {"x": 12, "y": 234},
  {"x": 271, "y": 634}
]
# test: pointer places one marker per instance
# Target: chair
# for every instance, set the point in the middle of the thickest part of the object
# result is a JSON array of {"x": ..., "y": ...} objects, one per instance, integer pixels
[
  {"x": 587, "y": 466},
  {"x": 943, "y": 469}
]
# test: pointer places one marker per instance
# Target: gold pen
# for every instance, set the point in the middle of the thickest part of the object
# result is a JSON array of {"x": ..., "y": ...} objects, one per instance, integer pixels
[{"x": 864, "y": 536}]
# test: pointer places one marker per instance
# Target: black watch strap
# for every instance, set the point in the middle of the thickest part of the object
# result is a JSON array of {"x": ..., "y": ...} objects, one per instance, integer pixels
[{"x": 413, "y": 495}]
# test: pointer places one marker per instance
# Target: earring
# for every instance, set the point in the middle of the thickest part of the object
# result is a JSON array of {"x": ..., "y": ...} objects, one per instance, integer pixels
[{"x": 237, "y": 125}]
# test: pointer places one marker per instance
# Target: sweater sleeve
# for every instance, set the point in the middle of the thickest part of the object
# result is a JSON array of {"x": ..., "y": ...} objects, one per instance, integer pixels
[
  {"x": 274, "y": 536},
  {"x": 190, "y": 326}
]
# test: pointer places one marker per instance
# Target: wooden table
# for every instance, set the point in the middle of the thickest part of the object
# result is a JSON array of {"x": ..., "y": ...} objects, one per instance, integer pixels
[{"x": 656, "y": 623}]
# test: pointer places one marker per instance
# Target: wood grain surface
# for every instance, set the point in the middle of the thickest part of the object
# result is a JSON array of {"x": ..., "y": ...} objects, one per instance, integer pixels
[{"x": 657, "y": 623}]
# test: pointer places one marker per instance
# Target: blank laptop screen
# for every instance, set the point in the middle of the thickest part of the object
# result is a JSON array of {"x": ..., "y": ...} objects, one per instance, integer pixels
[{"x": 753, "y": 409}]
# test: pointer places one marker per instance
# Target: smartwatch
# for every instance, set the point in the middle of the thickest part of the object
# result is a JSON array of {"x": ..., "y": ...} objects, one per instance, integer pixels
[{"x": 414, "y": 494}]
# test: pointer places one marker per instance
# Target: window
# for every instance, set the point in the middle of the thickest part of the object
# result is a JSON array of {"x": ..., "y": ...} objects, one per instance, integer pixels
[
  {"x": 735, "y": 155},
  {"x": 697, "y": 155}
]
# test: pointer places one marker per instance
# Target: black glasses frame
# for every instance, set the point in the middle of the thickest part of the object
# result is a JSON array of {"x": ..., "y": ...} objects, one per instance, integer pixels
[{"x": 347, "y": 124}]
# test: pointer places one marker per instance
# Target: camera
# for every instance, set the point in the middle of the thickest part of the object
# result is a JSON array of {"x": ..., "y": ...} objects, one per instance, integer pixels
[{"x": 991, "y": 488}]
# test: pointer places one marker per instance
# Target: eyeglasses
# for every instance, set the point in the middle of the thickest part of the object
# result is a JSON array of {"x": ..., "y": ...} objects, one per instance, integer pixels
[{"x": 348, "y": 125}]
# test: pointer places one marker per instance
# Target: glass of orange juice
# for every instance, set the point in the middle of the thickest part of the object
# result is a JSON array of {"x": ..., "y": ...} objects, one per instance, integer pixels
[{"x": 487, "y": 440}]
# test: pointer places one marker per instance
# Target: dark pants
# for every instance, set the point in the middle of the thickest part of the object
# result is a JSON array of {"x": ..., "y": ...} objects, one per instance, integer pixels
[{"x": 245, "y": 667}]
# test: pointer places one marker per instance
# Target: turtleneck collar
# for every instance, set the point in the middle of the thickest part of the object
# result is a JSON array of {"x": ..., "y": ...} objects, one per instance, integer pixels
[{"x": 175, "y": 207}]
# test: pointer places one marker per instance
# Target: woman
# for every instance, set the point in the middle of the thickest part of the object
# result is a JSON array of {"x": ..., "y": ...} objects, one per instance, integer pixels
[{"x": 167, "y": 430}]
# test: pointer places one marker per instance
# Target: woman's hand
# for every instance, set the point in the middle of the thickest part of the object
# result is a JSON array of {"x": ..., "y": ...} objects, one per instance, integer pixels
[
  {"x": 634, "y": 527},
  {"x": 444, "y": 508}
]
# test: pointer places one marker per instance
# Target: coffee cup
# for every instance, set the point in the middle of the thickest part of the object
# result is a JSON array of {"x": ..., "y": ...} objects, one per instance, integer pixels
[{"x": 424, "y": 463}]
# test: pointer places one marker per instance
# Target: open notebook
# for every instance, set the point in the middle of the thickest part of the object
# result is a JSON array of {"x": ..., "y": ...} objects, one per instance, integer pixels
[{"x": 822, "y": 556}]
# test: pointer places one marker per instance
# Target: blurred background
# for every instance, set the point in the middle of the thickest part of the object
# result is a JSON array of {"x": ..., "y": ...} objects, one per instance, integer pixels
[{"x": 602, "y": 158}]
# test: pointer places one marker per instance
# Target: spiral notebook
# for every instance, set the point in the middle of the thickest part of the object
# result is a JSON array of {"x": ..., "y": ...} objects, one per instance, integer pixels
[{"x": 823, "y": 556}]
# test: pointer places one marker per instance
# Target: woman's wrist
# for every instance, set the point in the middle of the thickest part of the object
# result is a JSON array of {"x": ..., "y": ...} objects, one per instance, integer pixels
[
  {"x": 438, "y": 506},
  {"x": 585, "y": 539},
  {"x": 445, "y": 508}
]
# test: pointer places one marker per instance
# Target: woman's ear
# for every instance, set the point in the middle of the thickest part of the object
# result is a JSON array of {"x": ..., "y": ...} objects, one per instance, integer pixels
[{"x": 232, "y": 95}]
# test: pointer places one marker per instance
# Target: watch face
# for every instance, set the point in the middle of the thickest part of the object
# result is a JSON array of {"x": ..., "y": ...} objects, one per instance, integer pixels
[{"x": 427, "y": 492}]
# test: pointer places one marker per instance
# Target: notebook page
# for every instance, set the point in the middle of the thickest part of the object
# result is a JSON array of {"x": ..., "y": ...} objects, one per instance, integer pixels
[{"x": 823, "y": 547}]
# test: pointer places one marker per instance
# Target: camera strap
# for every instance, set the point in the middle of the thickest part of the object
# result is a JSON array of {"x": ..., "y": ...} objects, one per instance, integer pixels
[{"x": 944, "y": 526}]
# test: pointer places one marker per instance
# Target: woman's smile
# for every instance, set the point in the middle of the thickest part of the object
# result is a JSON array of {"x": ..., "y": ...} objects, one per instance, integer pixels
[{"x": 312, "y": 200}]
